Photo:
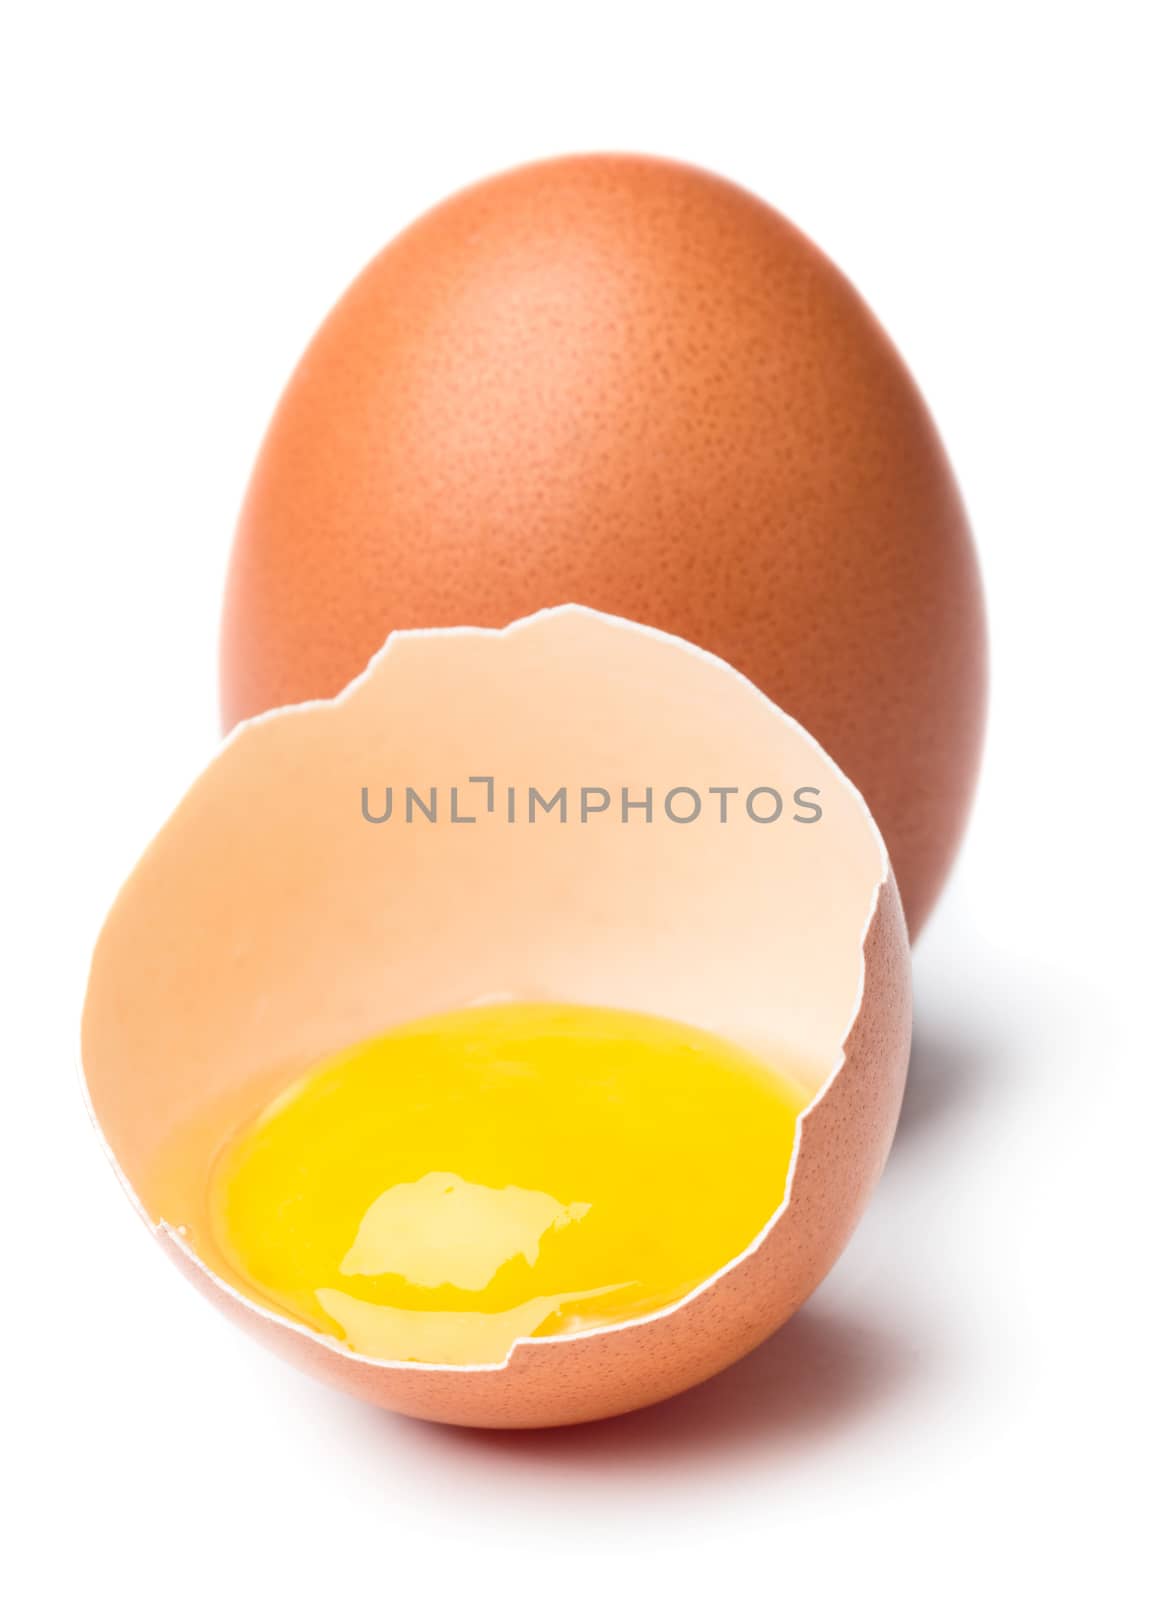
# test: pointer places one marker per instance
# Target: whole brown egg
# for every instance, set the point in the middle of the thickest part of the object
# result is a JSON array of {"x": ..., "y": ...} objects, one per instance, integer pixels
[{"x": 631, "y": 384}]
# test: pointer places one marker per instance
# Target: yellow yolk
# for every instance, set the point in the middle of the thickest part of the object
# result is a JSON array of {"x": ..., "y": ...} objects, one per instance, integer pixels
[{"x": 503, "y": 1172}]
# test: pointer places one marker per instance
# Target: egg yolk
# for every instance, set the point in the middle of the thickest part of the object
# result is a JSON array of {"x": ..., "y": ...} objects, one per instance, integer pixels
[{"x": 502, "y": 1172}]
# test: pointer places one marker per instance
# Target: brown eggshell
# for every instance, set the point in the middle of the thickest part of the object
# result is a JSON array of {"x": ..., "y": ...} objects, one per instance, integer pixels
[
  {"x": 270, "y": 924},
  {"x": 628, "y": 383}
]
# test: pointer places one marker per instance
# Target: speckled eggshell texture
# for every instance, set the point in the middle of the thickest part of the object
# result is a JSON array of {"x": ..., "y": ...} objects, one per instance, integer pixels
[
  {"x": 270, "y": 923},
  {"x": 628, "y": 383}
]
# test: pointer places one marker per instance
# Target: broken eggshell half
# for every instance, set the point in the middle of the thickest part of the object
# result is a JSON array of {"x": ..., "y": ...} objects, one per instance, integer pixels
[{"x": 276, "y": 919}]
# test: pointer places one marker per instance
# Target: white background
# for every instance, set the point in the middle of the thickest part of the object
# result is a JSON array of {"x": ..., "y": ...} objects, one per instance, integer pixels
[{"x": 979, "y": 1399}]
